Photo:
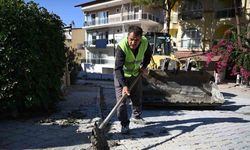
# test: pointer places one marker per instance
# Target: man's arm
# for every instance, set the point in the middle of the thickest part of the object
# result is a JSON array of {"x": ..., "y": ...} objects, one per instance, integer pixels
[{"x": 119, "y": 62}]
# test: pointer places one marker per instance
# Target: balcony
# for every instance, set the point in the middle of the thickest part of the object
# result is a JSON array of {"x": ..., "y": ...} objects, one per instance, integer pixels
[
  {"x": 110, "y": 42},
  {"x": 99, "y": 61},
  {"x": 118, "y": 18},
  {"x": 191, "y": 15}
]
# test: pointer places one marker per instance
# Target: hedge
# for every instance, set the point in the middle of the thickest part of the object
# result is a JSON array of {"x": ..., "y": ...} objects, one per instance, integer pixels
[{"x": 32, "y": 57}]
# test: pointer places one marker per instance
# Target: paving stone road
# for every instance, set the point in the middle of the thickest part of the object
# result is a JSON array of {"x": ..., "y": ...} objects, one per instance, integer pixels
[
  {"x": 67, "y": 129},
  {"x": 225, "y": 128}
]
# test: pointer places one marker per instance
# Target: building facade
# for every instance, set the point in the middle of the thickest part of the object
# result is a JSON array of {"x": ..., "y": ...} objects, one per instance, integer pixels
[
  {"x": 106, "y": 23},
  {"x": 74, "y": 39},
  {"x": 196, "y": 25}
]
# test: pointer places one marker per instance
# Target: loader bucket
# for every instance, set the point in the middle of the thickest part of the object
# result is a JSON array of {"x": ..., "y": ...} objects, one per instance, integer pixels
[{"x": 185, "y": 88}]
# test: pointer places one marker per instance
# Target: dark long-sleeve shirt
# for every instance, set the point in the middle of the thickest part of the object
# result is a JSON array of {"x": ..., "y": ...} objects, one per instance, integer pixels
[{"x": 120, "y": 60}]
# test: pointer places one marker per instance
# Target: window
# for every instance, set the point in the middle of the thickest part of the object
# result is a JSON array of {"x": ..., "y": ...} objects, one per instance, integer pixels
[
  {"x": 136, "y": 12},
  {"x": 92, "y": 19},
  {"x": 191, "y": 38},
  {"x": 103, "y": 17},
  {"x": 126, "y": 8},
  {"x": 136, "y": 9},
  {"x": 102, "y": 35},
  {"x": 94, "y": 36},
  {"x": 225, "y": 9},
  {"x": 79, "y": 54},
  {"x": 192, "y": 9}
]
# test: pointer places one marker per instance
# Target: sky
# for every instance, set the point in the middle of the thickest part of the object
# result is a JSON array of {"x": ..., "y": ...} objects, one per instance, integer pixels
[{"x": 65, "y": 9}]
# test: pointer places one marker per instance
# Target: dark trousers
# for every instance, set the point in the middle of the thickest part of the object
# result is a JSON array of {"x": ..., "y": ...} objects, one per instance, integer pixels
[{"x": 136, "y": 99}]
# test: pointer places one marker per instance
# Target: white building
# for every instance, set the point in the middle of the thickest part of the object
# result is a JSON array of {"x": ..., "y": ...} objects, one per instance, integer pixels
[{"x": 106, "y": 22}]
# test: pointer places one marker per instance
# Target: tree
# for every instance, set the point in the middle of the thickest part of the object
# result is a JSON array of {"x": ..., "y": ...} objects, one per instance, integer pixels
[
  {"x": 234, "y": 48},
  {"x": 233, "y": 53},
  {"x": 32, "y": 57},
  {"x": 166, "y": 5},
  {"x": 237, "y": 4}
]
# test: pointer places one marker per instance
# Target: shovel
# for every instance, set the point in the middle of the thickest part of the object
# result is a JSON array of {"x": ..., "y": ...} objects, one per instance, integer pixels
[{"x": 98, "y": 138}]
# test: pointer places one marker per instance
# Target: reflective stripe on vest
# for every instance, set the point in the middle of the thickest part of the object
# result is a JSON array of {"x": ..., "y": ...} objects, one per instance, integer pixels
[{"x": 132, "y": 63}]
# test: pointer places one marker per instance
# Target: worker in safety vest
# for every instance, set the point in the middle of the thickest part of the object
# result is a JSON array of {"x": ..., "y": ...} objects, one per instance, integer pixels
[{"x": 132, "y": 56}]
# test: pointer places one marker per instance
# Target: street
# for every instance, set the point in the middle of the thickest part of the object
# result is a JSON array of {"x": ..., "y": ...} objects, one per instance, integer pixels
[{"x": 227, "y": 127}]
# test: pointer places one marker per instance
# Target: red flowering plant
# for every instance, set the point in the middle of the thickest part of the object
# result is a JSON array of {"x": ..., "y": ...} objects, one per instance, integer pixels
[{"x": 233, "y": 54}]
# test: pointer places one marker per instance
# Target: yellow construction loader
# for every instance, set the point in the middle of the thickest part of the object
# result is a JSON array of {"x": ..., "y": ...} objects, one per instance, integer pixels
[{"x": 173, "y": 82}]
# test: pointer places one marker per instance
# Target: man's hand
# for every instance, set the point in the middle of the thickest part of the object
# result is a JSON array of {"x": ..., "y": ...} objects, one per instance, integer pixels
[
  {"x": 145, "y": 71},
  {"x": 125, "y": 90}
]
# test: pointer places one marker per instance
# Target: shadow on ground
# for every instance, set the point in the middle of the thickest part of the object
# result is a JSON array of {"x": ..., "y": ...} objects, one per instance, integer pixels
[
  {"x": 36, "y": 136},
  {"x": 228, "y": 95},
  {"x": 162, "y": 128},
  {"x": 71, "y": 126}
]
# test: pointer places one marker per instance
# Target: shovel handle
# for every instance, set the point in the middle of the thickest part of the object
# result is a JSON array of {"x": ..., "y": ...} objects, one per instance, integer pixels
[{"x": 106, "y": 120}]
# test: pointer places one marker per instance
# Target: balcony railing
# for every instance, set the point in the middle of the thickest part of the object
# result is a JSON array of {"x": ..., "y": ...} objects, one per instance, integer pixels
[
  {"x": 191, "y": 15},
  {"x": 99, "y": 61},
  {"x": 110, "y": 42},
  {"x": 125, "y": 17}
]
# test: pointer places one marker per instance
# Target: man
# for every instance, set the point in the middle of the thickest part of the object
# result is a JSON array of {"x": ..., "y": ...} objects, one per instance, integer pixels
[{"x": 133, "y": 56}]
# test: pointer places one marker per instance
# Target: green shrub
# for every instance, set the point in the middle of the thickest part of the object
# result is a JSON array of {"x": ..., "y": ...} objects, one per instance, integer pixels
[
  {"x": 32, "y": 57},
  {"x": 73, "y": 67}
]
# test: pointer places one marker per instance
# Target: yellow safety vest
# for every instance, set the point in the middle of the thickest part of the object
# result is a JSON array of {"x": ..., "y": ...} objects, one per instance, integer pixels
[{"x": 132, "y": 64}]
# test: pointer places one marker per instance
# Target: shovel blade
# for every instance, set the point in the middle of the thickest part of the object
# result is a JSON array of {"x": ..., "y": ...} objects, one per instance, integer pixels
[{"x": 98, "y": 139}]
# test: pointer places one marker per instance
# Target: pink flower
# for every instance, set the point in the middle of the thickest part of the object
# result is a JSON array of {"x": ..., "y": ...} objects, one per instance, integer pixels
[
  {"x": 229, "y": 48},
  {"x": 244, "y": 73}
]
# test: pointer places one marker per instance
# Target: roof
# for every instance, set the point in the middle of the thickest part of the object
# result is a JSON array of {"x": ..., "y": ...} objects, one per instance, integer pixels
[{"x": 91, "y": 3}]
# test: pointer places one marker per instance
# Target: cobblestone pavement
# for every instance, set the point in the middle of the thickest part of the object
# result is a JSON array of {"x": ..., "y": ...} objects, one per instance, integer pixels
[
  {"x": 227, "y": 127},
  {"x": 69, "y": 128}
]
